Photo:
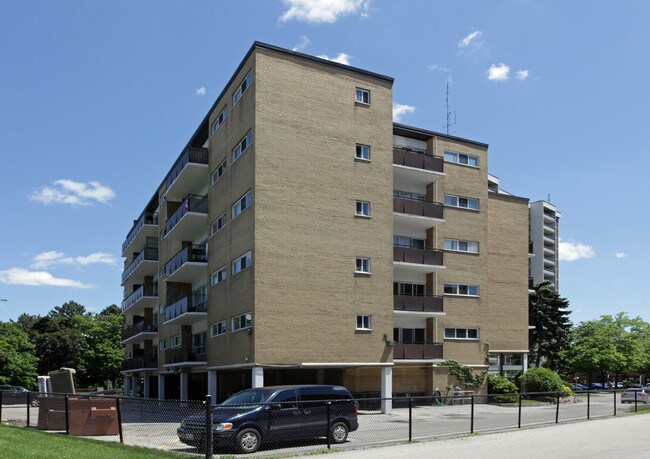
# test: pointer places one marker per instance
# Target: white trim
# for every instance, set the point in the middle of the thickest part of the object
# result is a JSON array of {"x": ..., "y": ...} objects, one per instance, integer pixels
[{"x": 509, "y": 351}]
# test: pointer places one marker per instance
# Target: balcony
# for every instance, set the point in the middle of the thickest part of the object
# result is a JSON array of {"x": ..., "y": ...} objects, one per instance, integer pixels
[
  {"x": 186, "y": 356},
  {"x": 189, "y": 174},
  {"x": 417, "y": 351},
  {"x": 146, "y": 225},
  {"x": 549, "y": 262},
  {"x": 187, "y": 266},
  {"x": 187, "y": 310},
  {"x": 145, "y": 296},
  {"x": 189, "y": 220},
  {"x": 416, "y": 214},
  {"x": 147, "y": 329},
  {"x": 433, "y": 305},
  {"x": 416, "y": 168},
  {"x": 549, "y": 251},
  {"x": 531, "y": 283},
  {"x": 408, "y": 260},
  {"x": 141, "y": 363},
  {"x": 144, "y": 264}
]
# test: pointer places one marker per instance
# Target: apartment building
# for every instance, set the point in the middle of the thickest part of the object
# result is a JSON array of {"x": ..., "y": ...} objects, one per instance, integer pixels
[
  {"x": 303, "y": 237},
  {"x": 545, "y": 237}
]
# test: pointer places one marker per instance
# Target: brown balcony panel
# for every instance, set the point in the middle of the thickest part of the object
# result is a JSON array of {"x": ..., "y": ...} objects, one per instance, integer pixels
[
  {"x": 185, "y": 354},
  {"x": 417, "y": 351},
  {"x": 418, "y": 160},
  {"x": 418, "y": 303},
  {"x": 140, "y": 362},
  {"x": 417, "y": 256},
  {"x": 418, "y": 208}
]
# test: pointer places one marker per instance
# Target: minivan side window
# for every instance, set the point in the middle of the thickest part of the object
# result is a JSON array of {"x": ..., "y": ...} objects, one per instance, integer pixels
[
  {"x": 285, "y": 398},
  {"x": 313, "y": 395}
]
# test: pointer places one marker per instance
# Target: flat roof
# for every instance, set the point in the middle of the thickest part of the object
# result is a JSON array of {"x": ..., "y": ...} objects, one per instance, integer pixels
[{"x": 424, "y": 134}]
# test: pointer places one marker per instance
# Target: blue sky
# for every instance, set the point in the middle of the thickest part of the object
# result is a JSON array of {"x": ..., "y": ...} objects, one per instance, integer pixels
[{"x": 98, "y": 99}]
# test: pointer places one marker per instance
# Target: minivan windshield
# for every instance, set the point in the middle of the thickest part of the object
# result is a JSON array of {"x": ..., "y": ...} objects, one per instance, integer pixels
[{"x": 247, "y": 399}]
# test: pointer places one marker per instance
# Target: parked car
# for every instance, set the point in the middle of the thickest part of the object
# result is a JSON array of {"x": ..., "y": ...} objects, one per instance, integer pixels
[
  {"x": 15, "y": 395},
  {"x": 578, "y": 386},
  {"x": 595, "y": 386},
  {"x": 642, "y": 395},
  {"x": 275, "y": 414},
  {"x": 8, "y": 388}
]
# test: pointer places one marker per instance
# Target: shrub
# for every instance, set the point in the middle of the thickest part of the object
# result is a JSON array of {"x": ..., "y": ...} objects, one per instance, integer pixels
[
  {"x": 501, "y": 385},
  {"x": 541, "y": 380}
]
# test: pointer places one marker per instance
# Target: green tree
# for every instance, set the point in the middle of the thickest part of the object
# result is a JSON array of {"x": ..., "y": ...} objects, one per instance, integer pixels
[
  {"x": 103, "y": 356},
  {"x": 464, "y": 374},
  {"x": 550, "y": 336},
  {"x": 17, "y": 359}
]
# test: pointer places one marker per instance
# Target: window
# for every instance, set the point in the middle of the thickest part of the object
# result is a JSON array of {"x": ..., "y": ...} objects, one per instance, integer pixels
[
  {"x": 461, "y": 333},
  {"x": 461, "y": 290},
  {"x": 241, "y": 263},
  {"x": 409, "y": 289},
  {"x": 218, "y": 328},
  {"x": 362, "y": 96},
  {"x": 218, "y": 172},
  {"x": 243, "y": 86},
  {"x": 242, "y": 204},
  {"x": 363, "y": 209},
  {"x": 218, "y": 276},
  {"x": 241, "y": 322},
  {"x": 363, "y": 265},
  {"x": 407, "y": 241},
  {"x": 287, "y": 399},
  {"x": 218, "y": 224},
  {"x": 460, "y": 201},
  {"x": 162, "y": 345},
  {"x": 461, "y": 158},
  {"x": 409, "y": 335},
  {"x": 175, "y": 341},
  {"x": 363, "y": 323},
  {"x": 242, "y": 146},
  {"x": 363, "y": 152},
  {"x": 409, "y": 195},
  {"x": 219, "y": 121},
  {"x": 461, "y": 246}
]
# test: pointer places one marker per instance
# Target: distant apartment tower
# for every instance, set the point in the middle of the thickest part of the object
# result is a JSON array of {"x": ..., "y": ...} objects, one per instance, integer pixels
[
  {"x": 303, "y": 237},
  {"x": 544, "y": 235}
]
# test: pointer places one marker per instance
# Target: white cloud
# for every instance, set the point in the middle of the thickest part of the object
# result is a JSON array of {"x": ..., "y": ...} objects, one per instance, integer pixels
[
  {"x": 319, "y": 11},
  {"x": 470, "y": 39},
  {"x": 500, "y": 72},
  {"x": 400, "y": 110},
  {"x": 620, "y": 255},
  {"x": 572, "y": 251},
  {"x": 342, "y": 58},
  {"x": 47, "y": 259},
  {"x": 438, "y": 68},
  {"x": 302, "y": 44},
  {"x": 201, "y": 91},
  {"x": 522, "y": 74},
  {"x": 20, "y": 276},
  {"x": 74, "y": 193}
]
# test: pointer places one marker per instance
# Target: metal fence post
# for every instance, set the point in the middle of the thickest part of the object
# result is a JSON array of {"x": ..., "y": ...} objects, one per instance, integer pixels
[
  {"x": 410, "y": 419},
  {"x": 329, "y": 419},
  {"x": 635, "y": 405},
  {"x": 119, "y": 418},
  {"x": 208, "y": 426},
  {"x": 67, "y": 416},
  {"x": 29, "y": 403},
  {"x": 614, "y": 392},
  {"x": 588, "y": 404},
  {"x": 471, "y": 425},
  {"x": 557, "y": 409},
  {"x": 519, "y": 414},
  {"x": 1, "y": 392}
]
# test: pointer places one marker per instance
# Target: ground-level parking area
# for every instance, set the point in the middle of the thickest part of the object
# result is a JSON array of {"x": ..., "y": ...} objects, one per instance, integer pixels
[{"x": 153, "y": 424}]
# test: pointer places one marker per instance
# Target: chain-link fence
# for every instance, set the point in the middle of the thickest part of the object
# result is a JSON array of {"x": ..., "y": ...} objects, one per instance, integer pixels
[{"x": 297, "y": 426}]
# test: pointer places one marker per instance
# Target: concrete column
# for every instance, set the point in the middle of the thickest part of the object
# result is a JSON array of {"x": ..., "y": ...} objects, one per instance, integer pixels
[
  {"x": 147, "y": 382},
  {"x": 184, "y": 382},
  {"x": 386, "y": 389},
  {"x": 320, "y": 376},
  {"x": 258, "y": 377},
  {"x": 135, "y": 386},
  {"x": 161, "y": 387},
  {"x": 212, "y": 385},
  {"x": 524, "y": 362},
  {"x": 127, "y": 386}
]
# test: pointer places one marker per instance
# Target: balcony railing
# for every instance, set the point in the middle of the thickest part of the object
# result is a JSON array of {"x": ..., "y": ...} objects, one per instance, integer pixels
[
  {"x": 530, "y": 247},
  {"x": 185, "y": 354},
  {"x": 417, "y": 351},
  {"x": 192, "y": 203},
  {"x": 142, "y": 361},
  {"x": 148, "y": 253},
  {"x": 139, "y": 293},
  {"x": 418, "y": 160},
  {"x": 146, "y": 326},
  {"x": 190, "y": 155},
  {"x": 406, "y": 254},
  {"x": 190, "y": 303},
  {"x": 417, "y": 207},
  {"x": 418, "y": 303},
  {"x": 147, "y": 218},
  {"x": 195, "y": 253}
]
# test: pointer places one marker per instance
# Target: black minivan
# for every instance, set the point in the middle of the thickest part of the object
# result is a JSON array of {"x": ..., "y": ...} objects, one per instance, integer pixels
[{"x": 275, "y": 414}]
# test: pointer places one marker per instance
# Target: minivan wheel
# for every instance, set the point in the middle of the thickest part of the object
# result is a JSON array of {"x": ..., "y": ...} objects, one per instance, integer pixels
[
  {"x": 248, "y": 440},
  {"x": 339, "y": 432}
]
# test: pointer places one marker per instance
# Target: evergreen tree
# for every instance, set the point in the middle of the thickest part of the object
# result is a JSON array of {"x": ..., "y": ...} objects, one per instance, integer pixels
[{"x": 550, "y": 336}]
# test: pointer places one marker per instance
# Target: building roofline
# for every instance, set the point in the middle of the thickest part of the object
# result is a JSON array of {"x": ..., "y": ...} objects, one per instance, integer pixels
[
  {"x": 424, "y": 134},
  {"x": 508, "y": 197}
]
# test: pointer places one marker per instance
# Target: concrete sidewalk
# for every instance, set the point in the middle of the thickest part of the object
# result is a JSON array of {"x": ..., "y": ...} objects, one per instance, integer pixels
[{"x": 607, "y": 438}]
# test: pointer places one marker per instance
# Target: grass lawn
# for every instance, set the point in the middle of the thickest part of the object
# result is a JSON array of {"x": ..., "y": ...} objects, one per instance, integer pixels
[{"x": 21, "y": 442}]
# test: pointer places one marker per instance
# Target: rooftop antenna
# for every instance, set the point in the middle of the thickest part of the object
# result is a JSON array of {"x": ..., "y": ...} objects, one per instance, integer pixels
[
  {"x": 451, "y": 117},
  {"x": 549, "y": 198}
]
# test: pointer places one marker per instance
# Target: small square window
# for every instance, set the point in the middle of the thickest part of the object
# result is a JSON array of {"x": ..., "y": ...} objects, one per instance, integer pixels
[
  {"x": 218, "y": 328},
  {"x": 363, "y": 152},
  {"x": 362, "y": 96},
  {"x": 363, "y": 209},
  {"x": 363, "y": 265},
  {"x": 218, "y": 276},
  {"x": 364, "y": 323}
]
